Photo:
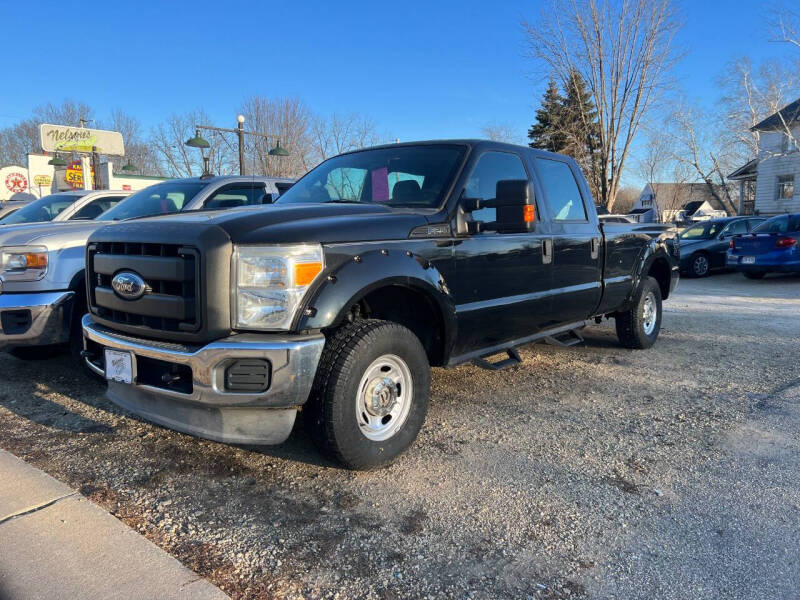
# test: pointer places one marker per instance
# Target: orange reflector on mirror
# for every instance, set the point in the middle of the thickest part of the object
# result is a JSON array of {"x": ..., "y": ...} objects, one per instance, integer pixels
[
  {"x": 304, "y": 273},
  {"x": 529, "y": 213}
]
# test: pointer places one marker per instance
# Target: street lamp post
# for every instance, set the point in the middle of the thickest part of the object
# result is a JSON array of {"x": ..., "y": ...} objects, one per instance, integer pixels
[{"x": 199, "y": 142}]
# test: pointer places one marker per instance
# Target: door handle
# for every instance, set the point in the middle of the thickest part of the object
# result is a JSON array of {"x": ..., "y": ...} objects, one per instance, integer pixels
[
  {"x": 547, "y": 251},
  {"x": 595, "y": 246}
]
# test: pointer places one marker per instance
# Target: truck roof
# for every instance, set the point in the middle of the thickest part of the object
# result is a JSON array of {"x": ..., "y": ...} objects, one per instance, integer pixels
[{"x": 471, "y": 142}]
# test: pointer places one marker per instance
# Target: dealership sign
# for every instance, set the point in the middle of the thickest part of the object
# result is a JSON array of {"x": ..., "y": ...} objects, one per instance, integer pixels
[
  {"x": 42, "y": 180},
  {"x": 16, "y": 182},
  {"x": 74, "y": 175},
  {"x": 60, "y": 138}
]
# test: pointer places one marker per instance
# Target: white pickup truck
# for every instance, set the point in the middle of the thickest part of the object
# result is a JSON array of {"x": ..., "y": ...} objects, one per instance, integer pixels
[{"x": 42, "y": 286}]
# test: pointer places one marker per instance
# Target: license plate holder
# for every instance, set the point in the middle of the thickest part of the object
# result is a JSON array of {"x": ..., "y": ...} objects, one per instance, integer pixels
[
  {"x": 119, "y": 366},
  {"x": 748, "y": 260}
]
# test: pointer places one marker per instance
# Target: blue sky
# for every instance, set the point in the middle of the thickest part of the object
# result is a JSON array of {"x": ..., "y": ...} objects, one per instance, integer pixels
[{"x": 419, "y": 69}]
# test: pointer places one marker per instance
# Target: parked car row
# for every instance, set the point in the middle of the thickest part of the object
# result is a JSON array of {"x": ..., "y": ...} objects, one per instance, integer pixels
[
  {"x": 753, "y": 245},
  {"x": 42, "y": 273},
  {"x": 213, "y": 315}
]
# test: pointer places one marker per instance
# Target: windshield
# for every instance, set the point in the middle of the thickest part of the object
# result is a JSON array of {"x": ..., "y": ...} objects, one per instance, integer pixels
[
  {"x": 701, "y": 231},
  {"x": 159, "y": 199},
  {"x": 43, "y": 209},
  {"x": 402, "y": 176}
]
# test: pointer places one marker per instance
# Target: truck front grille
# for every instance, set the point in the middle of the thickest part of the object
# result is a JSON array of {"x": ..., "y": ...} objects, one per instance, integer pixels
[{"x": 172, "y": 275}]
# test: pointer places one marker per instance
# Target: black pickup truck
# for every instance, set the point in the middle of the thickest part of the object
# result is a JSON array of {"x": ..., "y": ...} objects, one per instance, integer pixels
[{"x": 337, "y": 300}]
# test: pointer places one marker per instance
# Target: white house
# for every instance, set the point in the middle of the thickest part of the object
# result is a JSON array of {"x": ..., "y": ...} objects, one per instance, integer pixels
[
  {"x": 681, "y": 202},
  {"x": 776, "y": 170}
]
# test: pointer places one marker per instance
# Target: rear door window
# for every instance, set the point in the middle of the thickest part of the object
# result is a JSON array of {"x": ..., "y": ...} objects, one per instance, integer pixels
[
  {"x": 561, "y": 190},
  {"x": 95, "y": 208}
]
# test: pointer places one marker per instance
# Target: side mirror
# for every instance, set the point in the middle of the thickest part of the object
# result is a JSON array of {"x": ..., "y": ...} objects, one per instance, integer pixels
[{"x": 516, "y": 212}]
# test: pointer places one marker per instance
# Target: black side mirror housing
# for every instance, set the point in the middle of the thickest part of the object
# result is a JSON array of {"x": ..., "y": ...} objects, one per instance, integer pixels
[{"x": 516, "y": 211}]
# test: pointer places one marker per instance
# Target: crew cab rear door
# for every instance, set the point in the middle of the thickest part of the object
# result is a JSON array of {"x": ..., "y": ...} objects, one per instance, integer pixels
[
  {"x": 576, "y": 239},
  {"x": 502, "y": 280}
]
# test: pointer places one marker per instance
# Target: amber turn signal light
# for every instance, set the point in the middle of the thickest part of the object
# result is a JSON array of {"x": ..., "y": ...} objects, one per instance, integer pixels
[
  {"x": 529, "y": 213},
  {"x": 304, "y": 273}
]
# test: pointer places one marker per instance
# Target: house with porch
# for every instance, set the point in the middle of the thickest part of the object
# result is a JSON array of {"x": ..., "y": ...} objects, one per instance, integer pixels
[
  {"x": 677, "y": 202},
  {"x": 770, "y": 183}
]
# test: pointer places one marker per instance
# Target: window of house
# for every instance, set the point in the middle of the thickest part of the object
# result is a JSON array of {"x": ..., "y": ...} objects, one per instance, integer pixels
[
  {"x": 785, "y": 187},
  {"x": 491, "y": 168},
  {"x": 561, "y": 190}
]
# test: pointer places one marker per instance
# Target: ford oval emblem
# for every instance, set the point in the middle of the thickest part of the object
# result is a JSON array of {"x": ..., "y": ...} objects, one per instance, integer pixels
[{"x": 128, "y": 285}]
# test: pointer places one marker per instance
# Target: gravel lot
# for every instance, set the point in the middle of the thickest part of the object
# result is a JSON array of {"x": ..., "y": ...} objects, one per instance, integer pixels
[{"x": 586, "y": 472}]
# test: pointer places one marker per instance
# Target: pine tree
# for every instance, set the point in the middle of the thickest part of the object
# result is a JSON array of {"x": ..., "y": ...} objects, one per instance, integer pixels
[{"x": 546, "y": 133}]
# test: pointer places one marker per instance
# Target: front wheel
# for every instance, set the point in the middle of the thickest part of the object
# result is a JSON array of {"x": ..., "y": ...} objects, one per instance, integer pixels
[
  {"x": 370, "y": 395},
  {"x": 638, "y": 327}
]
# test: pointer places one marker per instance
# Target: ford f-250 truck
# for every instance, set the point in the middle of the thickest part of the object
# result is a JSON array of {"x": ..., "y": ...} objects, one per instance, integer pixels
[{"x": 374, "y": 266}]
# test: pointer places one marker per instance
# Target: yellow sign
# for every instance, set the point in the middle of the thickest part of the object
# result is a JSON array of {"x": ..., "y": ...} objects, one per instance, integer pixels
[
  {"x": 74, "y": 175},
  {"x": 42, "y": 180}
]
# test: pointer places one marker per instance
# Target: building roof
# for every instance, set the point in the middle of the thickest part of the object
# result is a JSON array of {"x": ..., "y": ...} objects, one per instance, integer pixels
[
  {"x": 686, "y": 196},
  {"x": 746, "y": 171},
  {"x": 785, "y": 116}
]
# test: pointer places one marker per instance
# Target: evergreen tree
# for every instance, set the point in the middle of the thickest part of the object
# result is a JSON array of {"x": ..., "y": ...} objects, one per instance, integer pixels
[{"x": 546, "y": 133}]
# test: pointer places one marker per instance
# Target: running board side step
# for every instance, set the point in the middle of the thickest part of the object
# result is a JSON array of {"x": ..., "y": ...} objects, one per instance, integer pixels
[
  {"x": 565, "y": 338},
  {"x": 513, "y": 360}
]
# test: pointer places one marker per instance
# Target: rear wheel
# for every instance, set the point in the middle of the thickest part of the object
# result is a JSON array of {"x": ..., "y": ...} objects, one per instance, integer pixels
[
  {"x": 370, "y": 395},
  {"x": 700, "y": 265},
  {"x": 754, "y": 274},
  {"x": 639, "y": 326}
]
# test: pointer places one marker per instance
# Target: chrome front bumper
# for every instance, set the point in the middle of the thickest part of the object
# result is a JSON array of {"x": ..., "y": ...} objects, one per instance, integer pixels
[
  {"x": 49, "y": 318},
  {"x": 209, "y": 410}
]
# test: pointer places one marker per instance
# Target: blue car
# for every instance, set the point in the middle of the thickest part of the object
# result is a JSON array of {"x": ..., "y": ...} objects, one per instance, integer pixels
[{"x": 771, "y": 247}]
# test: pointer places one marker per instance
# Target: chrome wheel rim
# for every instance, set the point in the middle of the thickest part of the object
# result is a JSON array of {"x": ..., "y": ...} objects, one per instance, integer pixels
[
  {"x": 701, "y": 265},
  {"x": 649, "y": 313},
  {"x": 384, "y": 397}
]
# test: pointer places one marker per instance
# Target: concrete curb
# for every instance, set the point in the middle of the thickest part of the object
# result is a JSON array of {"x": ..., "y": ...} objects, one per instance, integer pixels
[{"x": 54, "y": 543}]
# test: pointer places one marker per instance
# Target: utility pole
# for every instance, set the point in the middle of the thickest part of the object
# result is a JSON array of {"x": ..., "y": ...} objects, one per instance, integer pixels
[{"x": 240, "y": 133}]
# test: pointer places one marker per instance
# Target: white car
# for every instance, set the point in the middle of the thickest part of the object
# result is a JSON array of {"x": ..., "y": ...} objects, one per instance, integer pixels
[{"x": 78, "y": 205}]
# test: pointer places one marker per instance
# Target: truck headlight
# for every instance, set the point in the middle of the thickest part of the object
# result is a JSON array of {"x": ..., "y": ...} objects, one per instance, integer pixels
[
  {"x": 23, "y": 263},
  {"x": 269, "y": 283}
]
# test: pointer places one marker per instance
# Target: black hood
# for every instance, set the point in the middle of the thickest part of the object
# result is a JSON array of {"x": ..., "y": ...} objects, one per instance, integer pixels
[{"x": 324, "y": 223}]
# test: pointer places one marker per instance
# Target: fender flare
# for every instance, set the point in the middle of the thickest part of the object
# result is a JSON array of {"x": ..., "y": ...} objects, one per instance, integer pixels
[
  {"x": 656, "y": 249},
  {"x": 328, "y": 304}
]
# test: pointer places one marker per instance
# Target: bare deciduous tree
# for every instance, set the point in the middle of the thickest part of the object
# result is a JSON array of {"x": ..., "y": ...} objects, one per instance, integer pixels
[
  {"x": 787, "y": 25},
  {"x": 706, "y": 154},
  {"x": 502, "y": 132},
  {"x": 750, "y": 95},
  {"x": 179, "y": 160},
  {"x": 623, "y": 49},
  {"x": 138, "y": 150},
  {"x": 342, "y": 133},
  {"x": 290, "y": 120}
]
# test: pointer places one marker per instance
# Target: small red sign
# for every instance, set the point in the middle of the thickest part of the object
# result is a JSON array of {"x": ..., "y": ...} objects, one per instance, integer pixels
[
  {"x": 16, "y": 183},
  {"x": 126, "y": 187}
]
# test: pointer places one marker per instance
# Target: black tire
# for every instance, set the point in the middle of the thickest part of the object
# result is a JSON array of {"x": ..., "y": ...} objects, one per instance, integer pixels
[
  {"x": 632, "y": 330},
  {"x": 700, "y": 265},
  {"x": 754, "y": 274},
  {"x": 330, "y": 415},
  {"x": 76, "y": 336}
]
